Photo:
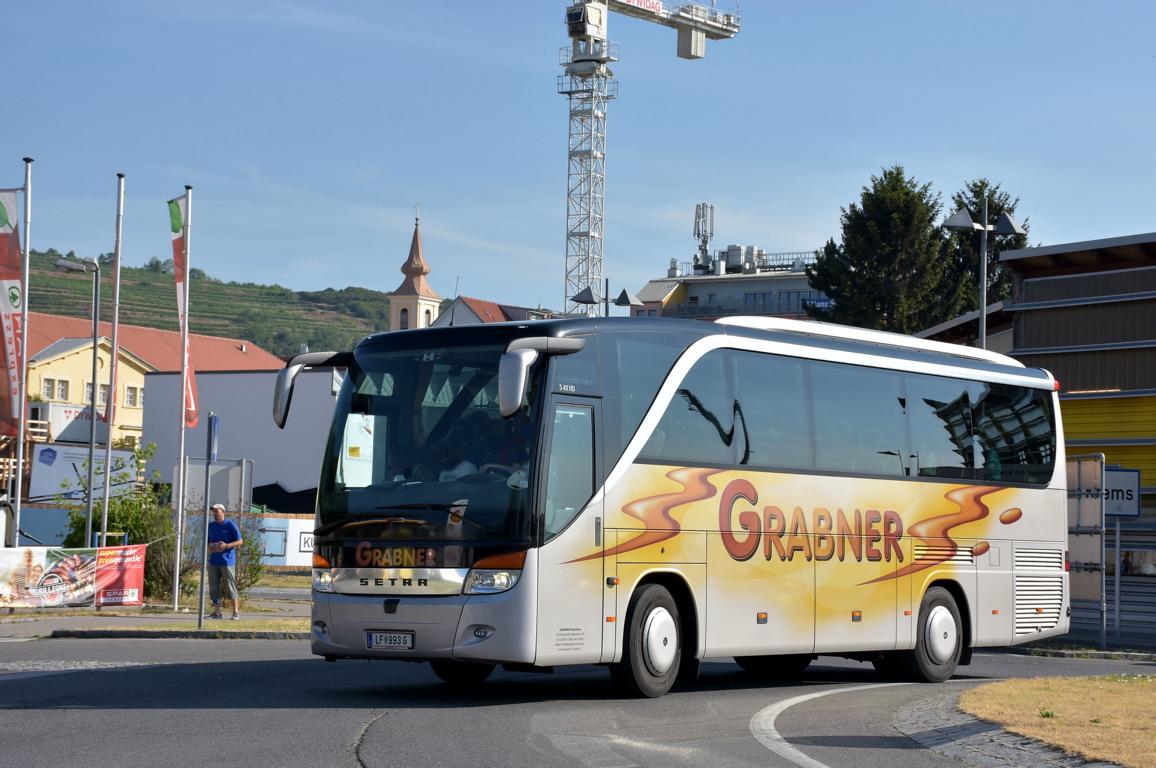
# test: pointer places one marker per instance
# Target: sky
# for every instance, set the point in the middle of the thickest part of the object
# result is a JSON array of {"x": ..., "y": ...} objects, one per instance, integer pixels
[{"x": 311, "y": 130}]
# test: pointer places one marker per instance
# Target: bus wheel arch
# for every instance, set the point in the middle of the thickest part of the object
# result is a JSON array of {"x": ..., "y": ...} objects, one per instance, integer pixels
[
  {"x": 661, "y": 602},
  {"x": 964, "y": 609},
  {"x": 940, "y": 635}
]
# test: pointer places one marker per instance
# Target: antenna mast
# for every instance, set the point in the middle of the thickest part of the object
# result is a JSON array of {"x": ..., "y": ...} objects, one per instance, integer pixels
[{"x": 589, "y": 84}]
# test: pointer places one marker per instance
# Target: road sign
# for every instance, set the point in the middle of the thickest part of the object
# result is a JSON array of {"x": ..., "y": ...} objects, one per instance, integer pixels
[{"x": 1122, "y": 492}]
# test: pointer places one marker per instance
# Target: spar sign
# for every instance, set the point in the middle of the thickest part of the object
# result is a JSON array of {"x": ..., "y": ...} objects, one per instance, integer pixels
[{"x": 46, "y": 577}]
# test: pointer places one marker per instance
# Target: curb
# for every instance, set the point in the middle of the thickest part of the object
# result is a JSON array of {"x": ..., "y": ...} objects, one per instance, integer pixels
[
  {"x": 1079, "y": 654},
  {"x": 178, "y": 634}
]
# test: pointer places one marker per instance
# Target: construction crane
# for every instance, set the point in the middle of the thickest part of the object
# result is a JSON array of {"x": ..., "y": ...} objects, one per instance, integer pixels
[{"x": 589, "y": 85}]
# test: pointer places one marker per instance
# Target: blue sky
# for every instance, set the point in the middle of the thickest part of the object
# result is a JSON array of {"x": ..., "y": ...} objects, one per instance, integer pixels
[{"x": 310, "y": 130}]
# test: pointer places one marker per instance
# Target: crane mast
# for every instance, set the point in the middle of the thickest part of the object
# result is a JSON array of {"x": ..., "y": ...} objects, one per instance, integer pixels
[{"x": 589, "y": 84}]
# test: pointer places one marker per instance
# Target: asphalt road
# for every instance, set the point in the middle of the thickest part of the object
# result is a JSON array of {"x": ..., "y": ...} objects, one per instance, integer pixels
[{"x": 198, "y": 703}]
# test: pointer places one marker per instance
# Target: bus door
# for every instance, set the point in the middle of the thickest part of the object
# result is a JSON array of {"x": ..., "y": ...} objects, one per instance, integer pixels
[{"x": 571, "y": 572}]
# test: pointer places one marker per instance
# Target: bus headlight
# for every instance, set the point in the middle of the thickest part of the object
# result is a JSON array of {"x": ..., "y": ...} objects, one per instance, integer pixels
[
  {"x": 322, "y": 580},
  {"x": 485, "y": 581}
]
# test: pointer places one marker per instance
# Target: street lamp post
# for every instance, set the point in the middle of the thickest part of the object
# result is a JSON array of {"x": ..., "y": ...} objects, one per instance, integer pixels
[
  {"x": 624, "y": 299},
  {"x": 961, "y": 221},
  {"x": 93, "y": 267}
]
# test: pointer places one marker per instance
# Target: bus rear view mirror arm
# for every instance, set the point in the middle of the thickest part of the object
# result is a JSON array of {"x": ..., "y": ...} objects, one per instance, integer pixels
[
  {"x": 283, "y": 387},
  {"x": 514, "y": 366}
]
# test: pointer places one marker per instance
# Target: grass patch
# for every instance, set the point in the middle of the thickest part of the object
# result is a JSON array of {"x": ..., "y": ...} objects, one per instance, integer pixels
[
  {"x": 1099, "y": 718},
  {"x": 274, "y": 580}
]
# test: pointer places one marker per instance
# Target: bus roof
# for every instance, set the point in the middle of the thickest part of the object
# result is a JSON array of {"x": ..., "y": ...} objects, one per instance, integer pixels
[{"x": 821, "y": 336}]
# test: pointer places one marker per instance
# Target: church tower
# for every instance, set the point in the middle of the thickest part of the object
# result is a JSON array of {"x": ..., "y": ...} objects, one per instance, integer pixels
[{"x": 414, "y": 304}]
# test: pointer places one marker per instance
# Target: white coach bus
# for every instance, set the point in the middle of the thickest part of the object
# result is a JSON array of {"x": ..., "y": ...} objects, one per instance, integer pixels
[{"x": 646, "y": 494}]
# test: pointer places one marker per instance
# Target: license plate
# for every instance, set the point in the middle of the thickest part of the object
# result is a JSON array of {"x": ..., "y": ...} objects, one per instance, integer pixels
[{"x": 389, "y": 641}]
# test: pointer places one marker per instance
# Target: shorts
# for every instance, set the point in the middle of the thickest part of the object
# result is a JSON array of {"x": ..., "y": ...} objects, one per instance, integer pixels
[{"x": 219, "y": 574}]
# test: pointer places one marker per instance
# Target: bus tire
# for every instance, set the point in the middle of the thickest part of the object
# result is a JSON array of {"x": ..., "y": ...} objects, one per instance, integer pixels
[
  {"x": 460, "y": 673},
  {"x": 783, "y": 667},
  {"x": 938, "y": 639},
  {"x": 652, "y": 655}
]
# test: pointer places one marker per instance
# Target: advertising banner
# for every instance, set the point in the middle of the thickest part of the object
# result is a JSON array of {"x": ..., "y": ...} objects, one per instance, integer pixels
[
  {"x": 48, "y": 577},
  {"x": 60, "y": 471}
]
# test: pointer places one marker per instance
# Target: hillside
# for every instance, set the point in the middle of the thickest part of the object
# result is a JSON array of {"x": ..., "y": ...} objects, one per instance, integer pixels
[{"x": 276, "y": 318}]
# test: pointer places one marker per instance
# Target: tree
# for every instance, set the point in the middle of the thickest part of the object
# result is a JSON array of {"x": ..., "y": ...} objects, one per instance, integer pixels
[
  {"x": 964, "y": 246},
  {"x": 889, "y": 272},
  {"x": 146, "y": 517}
]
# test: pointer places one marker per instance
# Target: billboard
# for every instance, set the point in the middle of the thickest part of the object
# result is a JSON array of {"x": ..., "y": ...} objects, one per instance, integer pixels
[
  {"x": 61, "y": 471},
  {"x": 48, "y": 577}
]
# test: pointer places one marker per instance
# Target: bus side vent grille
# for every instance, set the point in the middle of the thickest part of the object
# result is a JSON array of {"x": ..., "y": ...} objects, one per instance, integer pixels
[
  {"x": 940, "y": 554},
  {"x": 1048, "y": 559},
  {"x": 1039, "y": 600}
]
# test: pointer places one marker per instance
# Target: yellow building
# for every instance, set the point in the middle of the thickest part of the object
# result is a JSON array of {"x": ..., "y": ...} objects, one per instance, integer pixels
[{"x": 60, "y": 389}]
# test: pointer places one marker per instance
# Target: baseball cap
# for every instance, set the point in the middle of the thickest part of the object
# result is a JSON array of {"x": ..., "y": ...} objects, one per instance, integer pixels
[{"x": 219, "y": 506}]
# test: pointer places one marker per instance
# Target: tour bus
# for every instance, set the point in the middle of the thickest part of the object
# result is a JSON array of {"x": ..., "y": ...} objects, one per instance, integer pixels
[{"x": 648, "y": 493}]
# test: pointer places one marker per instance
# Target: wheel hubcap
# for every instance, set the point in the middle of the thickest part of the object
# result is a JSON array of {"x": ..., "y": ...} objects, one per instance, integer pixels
[
  {"x": 659, "y": 641},
  {"x": 940, "y": 634}
]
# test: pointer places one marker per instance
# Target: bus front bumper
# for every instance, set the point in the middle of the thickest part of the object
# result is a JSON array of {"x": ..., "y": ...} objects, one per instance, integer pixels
[{"x": 491, "y": 628}]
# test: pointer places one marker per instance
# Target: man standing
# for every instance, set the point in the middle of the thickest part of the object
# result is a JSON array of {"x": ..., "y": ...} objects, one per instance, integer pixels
[{"x": 224, "y": 540}]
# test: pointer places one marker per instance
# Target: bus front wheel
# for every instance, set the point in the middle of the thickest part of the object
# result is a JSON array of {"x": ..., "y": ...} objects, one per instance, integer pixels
[
  {"x": 460, "y": 673},
  {"x": 939, "y": 640},
  {"x": 653, "y": 646}
]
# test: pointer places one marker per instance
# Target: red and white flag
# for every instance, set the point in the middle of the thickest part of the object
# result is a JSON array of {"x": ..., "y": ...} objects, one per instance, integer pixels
[
  {"x": 178, "y": 215},
  {"x": 11, "y": 301}
]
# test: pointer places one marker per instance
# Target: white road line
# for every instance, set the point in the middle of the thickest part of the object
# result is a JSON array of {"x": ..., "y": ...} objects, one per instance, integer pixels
[{"x": 763, "y": 723}]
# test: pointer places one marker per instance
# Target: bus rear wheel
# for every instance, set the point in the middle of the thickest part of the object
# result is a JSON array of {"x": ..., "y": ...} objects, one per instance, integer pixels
[
  {"x": 939, "y": 638},
  {"x": 653, "y": 648},
  {"x": 460, "y": 673},
  {"x": 783, "y": 667}
]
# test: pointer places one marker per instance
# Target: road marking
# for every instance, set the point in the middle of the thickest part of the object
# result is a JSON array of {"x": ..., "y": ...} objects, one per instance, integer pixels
[{"x": 763, "y": 724}]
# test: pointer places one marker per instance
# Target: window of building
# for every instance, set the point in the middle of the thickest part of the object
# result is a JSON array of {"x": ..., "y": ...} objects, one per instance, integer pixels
[
  {"x": 403, "y": 322},
  {"x": 88, "y": 392},
  {"x": 62, "y": 389},
  {"x": 48, "y": 389},
  {"x": 428, "y": 319},
  {"x": 131, "y": 396},
  {"x": 103, "y": 394}
]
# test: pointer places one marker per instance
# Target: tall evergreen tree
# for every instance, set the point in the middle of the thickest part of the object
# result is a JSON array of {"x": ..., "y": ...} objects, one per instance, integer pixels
[
  {"x": 964, "y": 246},
  {"x": 890, "y": 270}
]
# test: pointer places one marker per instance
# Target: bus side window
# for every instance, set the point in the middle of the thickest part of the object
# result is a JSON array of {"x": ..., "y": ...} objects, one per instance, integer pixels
[
  {"x": 698, "y": 426},
  {"x": 570, "y": 476}
]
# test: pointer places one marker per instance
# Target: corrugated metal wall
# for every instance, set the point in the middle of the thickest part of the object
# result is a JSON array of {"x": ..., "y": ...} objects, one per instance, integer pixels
[
  {"x": 1111, "y": 283},
  {"x": 1088, "y": 324},
  {"x": 1122, "y": 369}
]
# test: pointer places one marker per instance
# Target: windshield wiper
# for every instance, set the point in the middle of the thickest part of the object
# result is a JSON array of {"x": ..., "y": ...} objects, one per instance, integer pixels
[
  {"x": 438, "y": 507},
  {"x": 351, "y": 521}
]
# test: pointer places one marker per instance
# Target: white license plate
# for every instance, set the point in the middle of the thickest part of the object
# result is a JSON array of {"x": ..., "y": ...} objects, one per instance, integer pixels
[{"x": 389, "y": 641}]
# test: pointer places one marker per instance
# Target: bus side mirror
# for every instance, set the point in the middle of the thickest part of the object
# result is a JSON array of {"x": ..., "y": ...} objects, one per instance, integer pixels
[
  {"x": 283, "y": 387},
  {"x": 513, "y": 373}
]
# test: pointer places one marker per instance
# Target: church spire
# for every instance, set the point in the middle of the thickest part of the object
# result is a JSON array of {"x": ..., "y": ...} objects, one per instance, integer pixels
[{"x": 415, "y": 268}]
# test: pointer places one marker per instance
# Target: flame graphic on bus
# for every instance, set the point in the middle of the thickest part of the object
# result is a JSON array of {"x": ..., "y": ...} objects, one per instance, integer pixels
[
  {"x": 936, "y": 531},
  {"x": 654, "y": 511}
]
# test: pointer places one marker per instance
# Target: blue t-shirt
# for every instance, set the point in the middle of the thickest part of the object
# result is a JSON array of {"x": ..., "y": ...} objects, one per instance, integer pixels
[{"x": 228, "y": 533}]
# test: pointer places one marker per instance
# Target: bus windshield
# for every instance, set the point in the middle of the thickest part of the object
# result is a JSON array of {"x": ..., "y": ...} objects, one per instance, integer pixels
[{"x": 419, "y": 451}]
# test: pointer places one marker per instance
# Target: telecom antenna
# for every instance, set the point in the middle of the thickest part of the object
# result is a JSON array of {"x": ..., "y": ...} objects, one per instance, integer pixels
[
  {"x": 703, "y": 232},
  {"x": 589, "y": 84}
]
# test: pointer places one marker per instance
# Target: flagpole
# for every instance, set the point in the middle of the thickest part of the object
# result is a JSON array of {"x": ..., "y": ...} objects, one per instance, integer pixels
[
  {"x": 110, "y": 410},
  {"x": 180, "y": 473},
  {"x": 21, "y": 421}
]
